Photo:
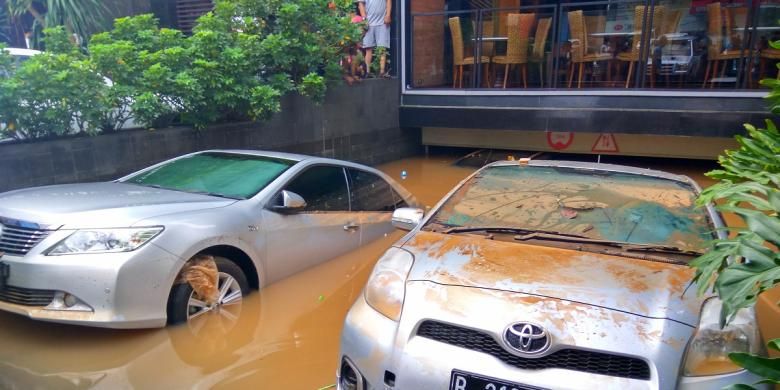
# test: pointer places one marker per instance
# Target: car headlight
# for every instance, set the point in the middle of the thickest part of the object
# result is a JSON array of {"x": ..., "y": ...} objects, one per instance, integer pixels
[
  {"x": 708, "y": 350},
  {"x": 104, "y": 240},
  {"x": 386, "y": 287}
]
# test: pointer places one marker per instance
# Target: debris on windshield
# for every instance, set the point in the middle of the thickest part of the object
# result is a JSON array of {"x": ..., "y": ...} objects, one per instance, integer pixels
[
  {"x": 569, "y": 213},
  {"x": 202, "y": 275}
]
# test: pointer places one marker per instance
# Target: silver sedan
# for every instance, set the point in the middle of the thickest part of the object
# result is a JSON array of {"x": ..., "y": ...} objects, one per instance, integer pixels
[
  {"x": 183, "y": 238},
  {"x": 544, "y": 274}
]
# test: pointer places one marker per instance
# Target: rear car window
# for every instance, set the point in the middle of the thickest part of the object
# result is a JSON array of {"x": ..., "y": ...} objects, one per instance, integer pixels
[{"x": 370, "y": 192}]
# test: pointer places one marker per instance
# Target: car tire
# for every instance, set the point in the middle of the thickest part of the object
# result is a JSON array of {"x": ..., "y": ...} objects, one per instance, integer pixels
[{"x": 178, "y": 300}]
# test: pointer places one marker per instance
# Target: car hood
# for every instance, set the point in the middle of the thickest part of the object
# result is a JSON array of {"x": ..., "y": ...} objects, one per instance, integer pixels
[
  {"x": 646, "y": 288},
  {"x": 93, "y": 205}
]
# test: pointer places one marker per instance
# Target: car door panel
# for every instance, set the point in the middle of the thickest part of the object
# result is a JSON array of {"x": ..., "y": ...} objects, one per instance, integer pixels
[
  {"x": 374, "y": 201},
  {"x": 324, "y": 229}
]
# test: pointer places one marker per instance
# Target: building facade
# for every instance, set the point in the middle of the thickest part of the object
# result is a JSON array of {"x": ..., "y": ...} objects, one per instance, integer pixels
[{"x": 650, "y": 77}]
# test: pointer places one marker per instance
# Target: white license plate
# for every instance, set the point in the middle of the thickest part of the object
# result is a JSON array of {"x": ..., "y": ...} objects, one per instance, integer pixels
[{"x": 460, "y": 380}]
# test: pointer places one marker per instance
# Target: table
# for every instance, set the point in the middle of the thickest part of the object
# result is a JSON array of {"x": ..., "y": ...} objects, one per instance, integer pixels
[
  {"x": 490, "y": 39},
  {"x": 759, "y": 28},
  {"x": 615, "y": 34}
]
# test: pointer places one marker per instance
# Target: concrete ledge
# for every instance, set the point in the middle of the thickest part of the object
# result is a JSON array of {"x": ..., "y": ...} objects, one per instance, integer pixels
[{"x": 357, "y": 123}]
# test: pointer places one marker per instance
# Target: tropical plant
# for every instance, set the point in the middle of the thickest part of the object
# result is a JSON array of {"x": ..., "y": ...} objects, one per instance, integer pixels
[
  {"x": 747, "y": 263},
  {"x": 5, "y": 24},
  {"x": 81, "y": 18}
]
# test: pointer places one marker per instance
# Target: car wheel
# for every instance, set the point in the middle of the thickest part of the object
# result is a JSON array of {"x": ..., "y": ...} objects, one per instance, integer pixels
[{"x": 184, "y": 304}]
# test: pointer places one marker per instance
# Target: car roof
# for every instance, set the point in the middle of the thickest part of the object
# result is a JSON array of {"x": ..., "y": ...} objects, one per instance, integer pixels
[
  {"x": 602, "y": 168},
  {"x": 291, "y": 156},
  {"x": 16, "y": 51}
]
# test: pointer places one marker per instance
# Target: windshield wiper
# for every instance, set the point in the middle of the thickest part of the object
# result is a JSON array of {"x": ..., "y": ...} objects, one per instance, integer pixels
[
  {"x": 523, "y": 234},
  {"x": 624, "y": 246},
  {"x": 217, "y": 194},
  {"x": 658, "y": 248},
  {"x": 506, "y": 229}
]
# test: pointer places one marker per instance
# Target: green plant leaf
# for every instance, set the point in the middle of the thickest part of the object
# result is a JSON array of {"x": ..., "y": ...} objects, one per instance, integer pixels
[
  {"x": 739, "y": 386},
  {"x": 768, "y": 368}
]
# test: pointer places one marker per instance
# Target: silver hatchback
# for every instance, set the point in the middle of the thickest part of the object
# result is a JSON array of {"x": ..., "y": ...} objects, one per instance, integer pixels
[
  {"x": 183, "y": 238},
  {"x": 544, "y": 274}
]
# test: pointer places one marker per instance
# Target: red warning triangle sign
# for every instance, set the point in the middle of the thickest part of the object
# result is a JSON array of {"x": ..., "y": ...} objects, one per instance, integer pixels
[{"x": 605, "y": 143}]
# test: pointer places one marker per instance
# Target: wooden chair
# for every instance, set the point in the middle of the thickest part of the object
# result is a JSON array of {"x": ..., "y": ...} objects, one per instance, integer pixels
[
  {"x": 635, "y": 54},
  {"x": 518, "y": 31},
  {"x": 540, "y": 41},
  {"x": 459, "y": 60},
  {"x": 672, "y": 19},
  {"x": 580, "y": 55},
  {"x": 716, "y": 53}
]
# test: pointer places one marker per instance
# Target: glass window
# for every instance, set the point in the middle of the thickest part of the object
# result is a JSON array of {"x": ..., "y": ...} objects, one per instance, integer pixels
[
  {"x": 231, "y": 175},
  {"x": 599, "y": 205},
  {"x": 370, "y": 192},
  {"x": 324, "y": 188},
  {"x": 666, "y": 44}
]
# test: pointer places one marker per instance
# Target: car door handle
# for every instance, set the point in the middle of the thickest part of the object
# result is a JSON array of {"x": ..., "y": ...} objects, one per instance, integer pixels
[{"x": 351, "y": 226}]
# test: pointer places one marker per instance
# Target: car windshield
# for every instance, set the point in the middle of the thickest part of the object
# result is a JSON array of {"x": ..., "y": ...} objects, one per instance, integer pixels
[
  {"x": 600, "y": 205},
  {"x": 230, "y": 175}
]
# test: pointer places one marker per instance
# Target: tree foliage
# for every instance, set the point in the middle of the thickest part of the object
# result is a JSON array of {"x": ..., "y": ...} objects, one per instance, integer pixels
[
  {"x": 46, "y": 95},
  {"x": 241, "y": 59}
]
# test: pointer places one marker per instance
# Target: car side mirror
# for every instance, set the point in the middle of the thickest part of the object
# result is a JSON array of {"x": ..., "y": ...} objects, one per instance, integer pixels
[
  {"x": 291, "y": 202},
  {"x": 407, "y": 218}
]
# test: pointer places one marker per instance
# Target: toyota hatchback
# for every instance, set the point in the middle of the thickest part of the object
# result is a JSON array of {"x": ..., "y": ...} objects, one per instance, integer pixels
[{"x": 543, "y": 274}]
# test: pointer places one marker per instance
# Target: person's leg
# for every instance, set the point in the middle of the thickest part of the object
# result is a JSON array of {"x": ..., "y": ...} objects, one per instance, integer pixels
[
  {"x": 369, "y": 43},
  {"x": 369, "y": 56},
  {"x": 383, "y": 41}
]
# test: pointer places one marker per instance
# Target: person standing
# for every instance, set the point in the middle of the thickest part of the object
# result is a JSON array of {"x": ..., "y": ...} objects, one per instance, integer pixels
[{"x": 377, "y": 13}]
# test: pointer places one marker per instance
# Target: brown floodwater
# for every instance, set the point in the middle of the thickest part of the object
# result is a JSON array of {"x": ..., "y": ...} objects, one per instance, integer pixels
[{"x": 286, "y": 336}]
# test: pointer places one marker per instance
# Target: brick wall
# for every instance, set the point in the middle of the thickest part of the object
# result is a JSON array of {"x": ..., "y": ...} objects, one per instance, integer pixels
[
  {"x": 357, "y": 123},
  {"x": 428, "y": 46}
]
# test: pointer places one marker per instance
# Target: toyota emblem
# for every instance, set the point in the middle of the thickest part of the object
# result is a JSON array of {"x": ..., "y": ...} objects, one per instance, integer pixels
[{"x": 527, "y": 338}]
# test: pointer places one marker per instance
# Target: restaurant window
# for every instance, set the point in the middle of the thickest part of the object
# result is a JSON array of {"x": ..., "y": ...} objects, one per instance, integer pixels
[{"x": 632, "y": 44}]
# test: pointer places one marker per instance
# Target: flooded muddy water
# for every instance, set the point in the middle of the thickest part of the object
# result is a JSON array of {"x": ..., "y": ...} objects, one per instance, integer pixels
[{"x": 286, "y": 336}]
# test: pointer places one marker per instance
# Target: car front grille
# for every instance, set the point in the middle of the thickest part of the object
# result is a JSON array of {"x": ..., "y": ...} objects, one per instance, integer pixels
[
  {"x": 17, "y": 240},
  {"x": 26, "y": 296},
  {"x": 567, "y": 359}
]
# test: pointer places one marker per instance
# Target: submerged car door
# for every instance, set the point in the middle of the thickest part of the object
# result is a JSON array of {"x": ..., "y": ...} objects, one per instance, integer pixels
[
  {"x": 322, "y": 230},
  {"x": 374, "y": 200}
]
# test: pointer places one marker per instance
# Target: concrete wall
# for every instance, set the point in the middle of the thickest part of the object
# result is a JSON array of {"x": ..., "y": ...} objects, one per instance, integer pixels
[{"x": 357, "y": 123}]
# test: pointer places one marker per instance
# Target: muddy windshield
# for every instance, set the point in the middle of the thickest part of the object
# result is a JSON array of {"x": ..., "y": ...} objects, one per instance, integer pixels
[
  {"x": 599, "y": 205},
  {"x": 230, "y": 175}
]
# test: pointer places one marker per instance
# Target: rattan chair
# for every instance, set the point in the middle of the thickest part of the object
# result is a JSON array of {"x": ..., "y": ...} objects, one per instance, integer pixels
[
  {"x": 671, "y": 25},
  {"x": 518, "y": 31},
  {"x": 580, "y": 54},
  {"x": 540, "y": 41},
  {"x": 716, "y": 53},
  {"x": 459, "y": 61},
  {"x": 635, "y": 53}
]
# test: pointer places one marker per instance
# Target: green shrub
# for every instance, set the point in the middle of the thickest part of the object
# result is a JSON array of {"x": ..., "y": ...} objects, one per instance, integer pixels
[
  {"x": 241, "y": 59},
  {"x": 54, "y": 93}
]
